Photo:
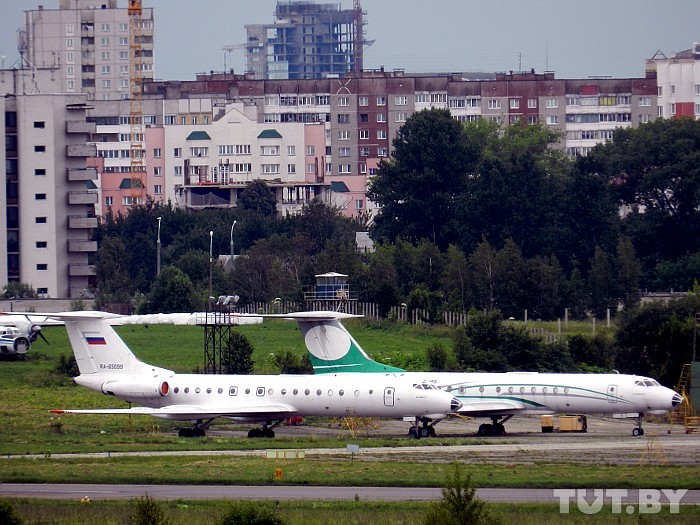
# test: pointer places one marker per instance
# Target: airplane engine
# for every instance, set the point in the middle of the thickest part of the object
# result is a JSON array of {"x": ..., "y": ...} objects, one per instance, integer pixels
[
  {"x": 135, "y": 389},
  {"x": 34, "y": 332}
]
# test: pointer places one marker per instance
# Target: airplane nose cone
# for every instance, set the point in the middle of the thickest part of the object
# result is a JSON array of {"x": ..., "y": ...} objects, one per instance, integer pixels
[
  {"x": 455, "y": 405},
  {"x": 676, "y": 400}
]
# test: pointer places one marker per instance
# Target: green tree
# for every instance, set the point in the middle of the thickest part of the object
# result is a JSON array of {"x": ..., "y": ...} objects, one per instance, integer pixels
[
  {"x": 459, "y": 504},
  {"x": 17, "y": 290},
  {"x": 238, "y": 356},
  {"x": 546, "y": 281},
  {"x": 456, "y": 280},
  {"x": 629, "y": 272},
  {"x": 172, "y": 292},
  {"x": 258, "y": 197},
  {"x": 291, "y": 363},
  {"x": 441, "y": 359},
  {"x": 654, "y": 171},
  {"x": 510, "y": 283},
  {"x": 484, "y": 268},
  {"x": 656, "y": 339},
  {"x": 112, "y": 270},
  {"x": 416, "y": 189},
  {"x": 601, "y": 284}
]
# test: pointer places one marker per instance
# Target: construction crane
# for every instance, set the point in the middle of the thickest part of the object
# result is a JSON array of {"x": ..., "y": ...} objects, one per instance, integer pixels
[{"x": 135, "y": 101}]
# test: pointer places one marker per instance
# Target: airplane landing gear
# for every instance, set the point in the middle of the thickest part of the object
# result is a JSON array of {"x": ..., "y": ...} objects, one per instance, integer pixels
[
  {"x": 423, "y": 431},
  {"x": 264, "y": 432},
  {"x": 638, "y": 431},
  {"x": 197, "y": 430},
  {"x": 496, "y": 428}
]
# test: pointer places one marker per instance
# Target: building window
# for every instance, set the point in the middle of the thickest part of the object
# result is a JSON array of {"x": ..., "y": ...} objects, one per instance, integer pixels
[
  {"x": 645, "y": 101},
  {"x": 199, "y": 151},
  {"x": 382, "y": 152},
  {"x": 343, "y": 118},
  {"x": 157, "y": 171},
  {"x": 268, "y": 169},
  {"x": 40, "y": 196},
  {"x": 42, "y": 244},
  {"x": 359, "y": 204},
  {"x": 40, "y": 172},
  {"x": 364, "y": 134},
  {"x": 344, "y": 168},
  {"x": 343, "y": 152},
  {"x": 363, "y": 101},
  {"x": 344, "y": 134},
  {"x": 291, "y": 151},
  {"x": 381, "y": 134},
  {"x": 363, "y": 168},
  {"x": 169, "y": 120},
  {"x": 40, "y": 220},
  {"x": 157, "y": 189},
  {"x": 552, "y": 119},
  {"x": 494, "y": 103},
  {"x": 42, "y": 267},
  {"x": 401, "y": 117},
  {"x": 177, "y": 171},
  {"x": 401, "y": 100},
  {"x": 381, "y": 117},
  {"x": 39, "y": 148},
  {"x": 514, "y": 103},
  {"x": 311, "y": 150},
  {"x": 552, "y": 103},
  {"x": 269, "y": 150},
  {"x": 177, "y": 152},
  {"x": 381, "y": 100},
  {"x": 39, "y": 124},
  {"x": 157, "y": 152},
  {"x": 291, "y": 169},
  {"x": 311, "y": 169},
  {"x": 343, "y": 101},
  {"x": 109, "y": 201}
]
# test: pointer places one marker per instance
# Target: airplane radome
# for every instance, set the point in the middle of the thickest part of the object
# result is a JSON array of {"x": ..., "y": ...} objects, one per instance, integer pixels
[
  {"x": 108, "y": 366},
  {"x": 497, "y": 396}
]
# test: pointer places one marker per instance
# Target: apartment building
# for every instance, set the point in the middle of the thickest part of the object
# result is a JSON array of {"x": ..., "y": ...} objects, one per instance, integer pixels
[
  {"x": 47, "y": 191},
  {"x": 86, "y": 43},
  {"x": 678, "y": 80},
  {"x": 306, "y": 40}
]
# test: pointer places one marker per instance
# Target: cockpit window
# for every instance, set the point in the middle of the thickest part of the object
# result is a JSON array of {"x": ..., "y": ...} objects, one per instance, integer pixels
[{"x": 424, "y": 386}]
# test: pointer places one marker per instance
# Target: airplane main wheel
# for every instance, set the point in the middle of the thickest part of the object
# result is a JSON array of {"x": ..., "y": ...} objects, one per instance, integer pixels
[
  {"x": 413, "y": 433},
  {"x": 638, "y": 432},
  {"x": 268, "y": 433},
  {"x": 485, "y": 430},
  {"x": 425, "y": 432},
  {"x": 254, "y": 433},
  {"x": 499, "y": 429}
]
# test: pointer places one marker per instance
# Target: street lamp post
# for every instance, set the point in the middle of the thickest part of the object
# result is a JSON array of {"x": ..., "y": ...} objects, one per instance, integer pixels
[
  {"x": 158, "y": 249},
  {"x": 232, "y": 227},
  {"x": 211, "y": 260}
]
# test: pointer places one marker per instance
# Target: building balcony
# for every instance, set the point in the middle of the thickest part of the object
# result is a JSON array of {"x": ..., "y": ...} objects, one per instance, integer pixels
[
  {"x": 79, "y": 222},
  {"x": 79, "y": 246},
  {"x": 81, "y": 270},
  {"x": 82, "y": 197},
  {"x": 80, "y": 126},
  {"x": 81, "y": 174},
  {"x": 81, "y": 150}
]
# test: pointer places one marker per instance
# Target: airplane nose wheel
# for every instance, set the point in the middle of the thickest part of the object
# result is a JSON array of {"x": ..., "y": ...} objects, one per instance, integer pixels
[
  {"x": 424, "y": 431},
  {"x": 639, "y": 431}
]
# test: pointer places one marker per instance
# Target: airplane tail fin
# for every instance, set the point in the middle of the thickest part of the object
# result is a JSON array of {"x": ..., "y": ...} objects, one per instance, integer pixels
[
  {"x": 97, "y": 347},
  {"x": 331, "y": 347}
]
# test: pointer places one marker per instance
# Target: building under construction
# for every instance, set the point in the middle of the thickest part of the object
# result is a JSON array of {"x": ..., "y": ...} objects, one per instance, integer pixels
[{"x": 306, "y": 40}]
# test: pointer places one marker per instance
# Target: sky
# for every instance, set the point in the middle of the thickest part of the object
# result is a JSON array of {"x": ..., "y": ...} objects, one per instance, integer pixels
[{"x": 573, "y": 38}]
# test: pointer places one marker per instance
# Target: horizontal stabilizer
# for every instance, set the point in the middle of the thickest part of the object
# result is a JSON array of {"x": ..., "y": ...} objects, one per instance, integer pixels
[{"x": 489, "y": 408}]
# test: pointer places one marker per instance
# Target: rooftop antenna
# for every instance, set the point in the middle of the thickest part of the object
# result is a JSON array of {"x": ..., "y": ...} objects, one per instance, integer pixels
[{"x": 22, "y": 48}]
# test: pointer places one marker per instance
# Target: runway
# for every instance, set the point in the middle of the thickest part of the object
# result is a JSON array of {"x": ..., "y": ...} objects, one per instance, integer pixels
[{"x": 286, "y": 492}]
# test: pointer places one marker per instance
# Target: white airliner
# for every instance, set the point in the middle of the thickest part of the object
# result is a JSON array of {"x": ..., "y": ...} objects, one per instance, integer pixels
[
  {"x": 108, "y": 366},
  {"x": 19, "y": 331},
  {"x": 498, "y": 396}
]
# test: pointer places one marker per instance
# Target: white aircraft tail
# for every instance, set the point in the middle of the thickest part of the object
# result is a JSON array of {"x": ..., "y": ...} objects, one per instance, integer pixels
[
  {"x": 97, "y": 347},
  {"x": 331, "y": 347}
]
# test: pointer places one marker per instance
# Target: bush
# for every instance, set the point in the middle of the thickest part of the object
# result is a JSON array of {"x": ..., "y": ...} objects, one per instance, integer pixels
[
  {"x": 459, "y": 504},
  {"x": 245, "y": 513},
  {"x": 8, "y": 516},
  {"x": 148, "y": 512}
]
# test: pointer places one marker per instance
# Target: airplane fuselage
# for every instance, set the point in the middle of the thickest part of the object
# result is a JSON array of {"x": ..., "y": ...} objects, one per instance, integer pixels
[
  {"x": 545, "y": 393},
  {"x": 329, "y": 395}
]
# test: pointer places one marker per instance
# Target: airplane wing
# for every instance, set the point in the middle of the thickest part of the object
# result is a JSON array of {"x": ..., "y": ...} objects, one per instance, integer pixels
[
  {"x": 491, "y": 407},
  {"x": 190, "y": 412}
]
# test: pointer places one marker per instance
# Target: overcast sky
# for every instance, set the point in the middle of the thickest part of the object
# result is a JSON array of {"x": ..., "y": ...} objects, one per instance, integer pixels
[{"x": 573, "y": 38}]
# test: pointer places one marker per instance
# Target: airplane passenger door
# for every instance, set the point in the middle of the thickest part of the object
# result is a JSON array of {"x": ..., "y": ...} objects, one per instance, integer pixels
[
  {"x": 612, "y": 393},
  {"x": 389, "y": 396}
]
